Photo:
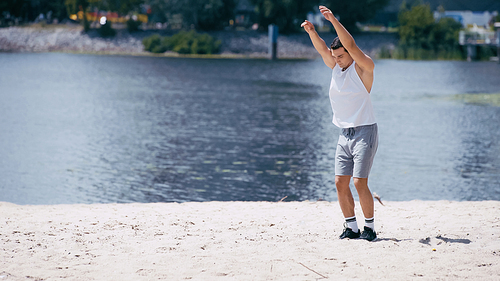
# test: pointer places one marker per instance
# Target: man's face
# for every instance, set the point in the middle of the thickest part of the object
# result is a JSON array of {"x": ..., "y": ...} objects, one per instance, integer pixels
[{"x": 342, "y": 58}]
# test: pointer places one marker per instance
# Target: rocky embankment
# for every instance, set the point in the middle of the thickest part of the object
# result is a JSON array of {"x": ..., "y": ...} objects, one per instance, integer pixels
[{"x": 68, "y": 38}]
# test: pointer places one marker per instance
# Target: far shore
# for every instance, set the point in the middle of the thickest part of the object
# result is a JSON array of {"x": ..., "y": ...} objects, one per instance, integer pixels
[
  {"x": 235, "y": 44},
  {"x": 417, "y": 240},
  {"x": 170, "y": 55}
]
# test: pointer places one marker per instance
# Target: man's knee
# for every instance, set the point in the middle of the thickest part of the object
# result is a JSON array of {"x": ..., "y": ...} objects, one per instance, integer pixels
[
  {"x": 342, "y": 182},
  {"x": 360, "y": 183}
]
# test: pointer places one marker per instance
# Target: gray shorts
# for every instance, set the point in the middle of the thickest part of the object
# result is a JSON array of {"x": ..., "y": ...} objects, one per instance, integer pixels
[{"x": 355, "y": 151}]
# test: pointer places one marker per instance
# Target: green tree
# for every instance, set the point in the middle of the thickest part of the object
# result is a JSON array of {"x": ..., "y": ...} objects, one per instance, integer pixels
[
  {"x": 351, "y": 12},
  {"x": 415, "y": 26},
  {"x": 29, "y": 10},
  {"x": 12, "y": 7},
  {"x": 160, "y": 9},
  {"x": 421, "y": 37},
  {"x": 122, "y": 6},
  {"x": 214, "y": 14},
  {"x": 445, "y": 34},
  {"x": 286, "y": 14},
  {"x": 58, "y": 9},
  {"x": 74, "y": 6},
  {"x": 202, "y": 14}
]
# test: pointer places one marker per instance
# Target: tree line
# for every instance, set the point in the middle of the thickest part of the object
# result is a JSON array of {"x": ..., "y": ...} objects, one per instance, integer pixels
[
  {"x": 29, "y": 10},
  {"x": 201, "y": 14},
  {"x": 420, "y": 35}
]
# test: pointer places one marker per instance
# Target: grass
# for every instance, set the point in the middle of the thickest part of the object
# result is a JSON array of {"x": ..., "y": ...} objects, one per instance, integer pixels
[
  {"x": 479, "y": 99},
  {"x": 376, "y": 28},
  {"x": 48, "y": 26}
]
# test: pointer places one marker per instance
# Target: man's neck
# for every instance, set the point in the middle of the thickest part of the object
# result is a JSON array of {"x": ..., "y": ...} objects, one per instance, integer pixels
[{"x": 345, "y": 68}]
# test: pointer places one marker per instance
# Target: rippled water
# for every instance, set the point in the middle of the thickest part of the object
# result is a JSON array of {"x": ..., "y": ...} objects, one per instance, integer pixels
[{"x": 92, "y": 129}]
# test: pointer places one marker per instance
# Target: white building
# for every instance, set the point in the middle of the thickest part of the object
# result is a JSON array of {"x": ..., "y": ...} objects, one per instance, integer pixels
[{"x": 468, "y": 19}]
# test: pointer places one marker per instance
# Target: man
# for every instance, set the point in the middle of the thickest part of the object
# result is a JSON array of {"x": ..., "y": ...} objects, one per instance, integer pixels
[{"x": 351, "y": 84}]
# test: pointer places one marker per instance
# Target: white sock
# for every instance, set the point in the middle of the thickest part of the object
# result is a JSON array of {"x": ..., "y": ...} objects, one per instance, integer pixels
[
  {"x": 352, "y": 223},
  {"x": 370, "y": 223}
]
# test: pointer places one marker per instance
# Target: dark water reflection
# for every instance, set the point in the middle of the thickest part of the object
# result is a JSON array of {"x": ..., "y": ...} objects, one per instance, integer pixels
[{"x": 86, "y": 129}]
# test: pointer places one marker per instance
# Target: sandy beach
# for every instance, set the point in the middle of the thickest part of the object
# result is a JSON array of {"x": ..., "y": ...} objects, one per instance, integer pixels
[{"x": 423, "y": 240}]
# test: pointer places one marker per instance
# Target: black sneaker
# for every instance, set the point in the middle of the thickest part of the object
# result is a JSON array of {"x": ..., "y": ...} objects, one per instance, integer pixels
[
  {"x": 348, "y": 233},
  {"x": 368, "y": 234}
]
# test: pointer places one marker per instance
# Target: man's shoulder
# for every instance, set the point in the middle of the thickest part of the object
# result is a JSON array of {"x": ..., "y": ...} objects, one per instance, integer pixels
[{"x": 368, "y": 68}]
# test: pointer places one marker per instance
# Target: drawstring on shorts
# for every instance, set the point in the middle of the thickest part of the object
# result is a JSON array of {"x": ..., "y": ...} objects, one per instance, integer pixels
[{"x": 349, "y": 132}]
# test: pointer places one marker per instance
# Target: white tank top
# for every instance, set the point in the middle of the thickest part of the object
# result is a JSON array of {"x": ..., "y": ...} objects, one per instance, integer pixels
[{"x": 351, "y": 103}]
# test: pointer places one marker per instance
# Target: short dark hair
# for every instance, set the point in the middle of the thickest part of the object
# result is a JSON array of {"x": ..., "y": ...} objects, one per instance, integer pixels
[{"x": 336, "y": 44}]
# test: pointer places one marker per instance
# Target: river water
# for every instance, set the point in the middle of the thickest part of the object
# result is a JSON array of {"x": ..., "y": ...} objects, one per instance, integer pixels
[{"x": 101, "y": 129}]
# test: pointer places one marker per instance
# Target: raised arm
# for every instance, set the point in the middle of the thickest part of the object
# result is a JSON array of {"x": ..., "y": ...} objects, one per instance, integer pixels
[
  {"x": 361, "y": 59},
  {"x": 319, "y": 44}
]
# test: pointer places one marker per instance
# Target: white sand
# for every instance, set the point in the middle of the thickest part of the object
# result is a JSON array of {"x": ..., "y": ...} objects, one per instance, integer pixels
[{"x": 248, "y": 241}]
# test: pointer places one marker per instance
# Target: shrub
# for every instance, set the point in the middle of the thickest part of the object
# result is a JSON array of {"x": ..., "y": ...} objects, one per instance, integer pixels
[
  {"x": 205, "y": 44},
  {"x": 107, "y": 30},
  {"x": 384, "y": 52},
  {"x": 485, "y": 52},
  {"x": 152, "y": 42},
  {"x": 183, "y": 43}
]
